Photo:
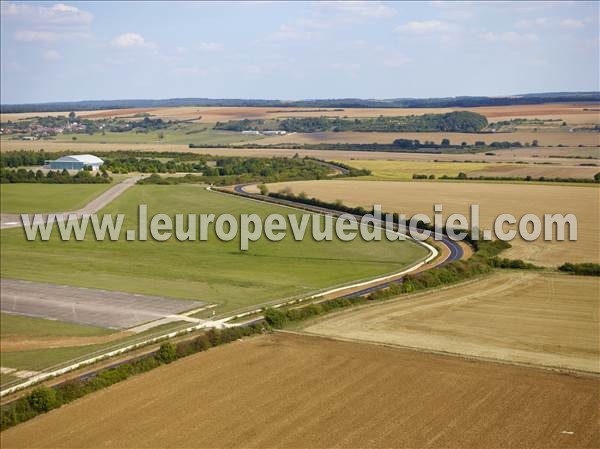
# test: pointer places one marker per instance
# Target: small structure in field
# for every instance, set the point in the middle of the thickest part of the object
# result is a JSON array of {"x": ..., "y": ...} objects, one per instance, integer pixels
[{"x": 75, "y": 162}]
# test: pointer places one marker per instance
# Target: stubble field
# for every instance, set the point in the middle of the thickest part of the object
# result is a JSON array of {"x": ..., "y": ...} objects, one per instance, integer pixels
[
  {"x": 575, "y": 113},
  {"x": 295, "y": 391},
  {"x": 554, "y": 138},
  {"x": 493, "y": 198},
  {"x": 524, "y": 317}
]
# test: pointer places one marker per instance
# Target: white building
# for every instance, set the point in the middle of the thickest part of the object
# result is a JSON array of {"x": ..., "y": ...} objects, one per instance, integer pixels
[{"x": 75, "y": 162}]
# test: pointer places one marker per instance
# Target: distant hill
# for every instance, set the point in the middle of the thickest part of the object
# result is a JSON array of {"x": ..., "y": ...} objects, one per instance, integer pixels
[{"x": 552, "y": 97}]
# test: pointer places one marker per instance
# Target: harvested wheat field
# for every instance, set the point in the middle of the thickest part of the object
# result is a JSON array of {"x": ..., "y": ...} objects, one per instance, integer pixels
[
  {"x": 529, "y": 155},
  {"x": 572, "y": 113},
  {"x": 387, "y": 170},
  {"x": 541, "y": 319},
  {"x": 297, "y": 391},
  {"x": 544, "y": 138},
  {"x": 493, "y": 198}
]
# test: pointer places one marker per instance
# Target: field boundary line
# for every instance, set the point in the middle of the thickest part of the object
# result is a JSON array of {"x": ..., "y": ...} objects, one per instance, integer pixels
[{"x": 545, "y": 368}]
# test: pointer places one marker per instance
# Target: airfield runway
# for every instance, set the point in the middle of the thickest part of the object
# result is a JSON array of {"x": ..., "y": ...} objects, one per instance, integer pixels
[{"x": 103, "y": 308}]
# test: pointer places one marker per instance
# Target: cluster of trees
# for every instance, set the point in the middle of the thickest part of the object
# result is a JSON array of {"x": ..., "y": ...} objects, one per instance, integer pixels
[
  {"x": 147, "y": 165},
  {"x": 236, "y": 170},
  {"x": 582, "y": 269},
  {"x": 43, "y": 399},
  {"x": 398, "y": 146},
  {"x": 22, "y": 175},
  {"x": 458, "y": 121},
  {"x": 463, "y": 176},
  {"x": 16, "y": 159}
]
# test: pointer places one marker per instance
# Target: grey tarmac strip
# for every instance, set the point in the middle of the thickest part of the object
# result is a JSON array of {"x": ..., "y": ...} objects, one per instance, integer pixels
[{"x": 88, "y": 306}]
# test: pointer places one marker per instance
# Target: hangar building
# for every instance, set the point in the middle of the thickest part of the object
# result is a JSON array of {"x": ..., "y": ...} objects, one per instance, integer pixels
[{"x": 75, "y": 162}]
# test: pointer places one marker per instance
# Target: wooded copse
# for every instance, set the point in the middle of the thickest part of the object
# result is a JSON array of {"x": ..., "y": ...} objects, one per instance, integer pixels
[{"x": 457, "y": 121}]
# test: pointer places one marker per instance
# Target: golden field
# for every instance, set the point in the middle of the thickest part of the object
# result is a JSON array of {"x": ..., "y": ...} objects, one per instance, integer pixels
[
  {"x": 525, "y": 317},
  {"x": 290, "y": 391},
  {"x": 493, "y": 198},
  {"x": 544, "y": 138},
  {"x": 402, "y": 170},
  {"x": 575, "y": 113},
  {"x": 563, "y": 156}
]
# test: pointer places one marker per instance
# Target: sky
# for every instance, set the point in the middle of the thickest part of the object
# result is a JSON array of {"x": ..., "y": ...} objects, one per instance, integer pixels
[{"x": 295, "y": 50}]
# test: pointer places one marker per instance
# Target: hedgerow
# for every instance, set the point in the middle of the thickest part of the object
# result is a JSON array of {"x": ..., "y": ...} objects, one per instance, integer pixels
[{"x": 43, "y": 399}]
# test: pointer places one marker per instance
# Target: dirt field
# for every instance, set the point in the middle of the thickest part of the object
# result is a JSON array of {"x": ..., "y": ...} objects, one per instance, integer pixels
[
  {"x": 572, "y": 113},
  {"x": 291, "y": 391},
  {"x": 493, "y": 199},
  {"x": 541, "y": 319}
]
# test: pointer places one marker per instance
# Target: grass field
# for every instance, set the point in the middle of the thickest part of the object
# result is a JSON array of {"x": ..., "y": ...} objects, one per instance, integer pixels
[
  {"x": 534, "y": 318},
  {"x": 40, "y": 354},
  {"x": 390, "y": 170},
  {"x": 28, "y": 327},
  {"x": 41, "y": 198},
  {"x": 177, "y": 135},
  {"x": 493, "y": 198},
  {"x": 298, "y": 391},
  {"x": 211, "y": 271}
]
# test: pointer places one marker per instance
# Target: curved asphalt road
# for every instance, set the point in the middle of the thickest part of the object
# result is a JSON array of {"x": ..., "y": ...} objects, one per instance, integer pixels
[{"x": 455, "y": 250}]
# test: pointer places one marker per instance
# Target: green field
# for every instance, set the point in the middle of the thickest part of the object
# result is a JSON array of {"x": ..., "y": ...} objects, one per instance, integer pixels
[
  {"x": 211, "y": 271},
  {"x": 177, "y": 134},
  {"x": 42, "y": 198},
  {"x": 44, "y": 358},
  {"x": 402, "y": 170},
  {"x": 23, "y": 326}
]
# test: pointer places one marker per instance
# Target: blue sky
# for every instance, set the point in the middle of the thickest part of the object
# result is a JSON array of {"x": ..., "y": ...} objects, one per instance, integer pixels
[{"x": 295, "y": 50}]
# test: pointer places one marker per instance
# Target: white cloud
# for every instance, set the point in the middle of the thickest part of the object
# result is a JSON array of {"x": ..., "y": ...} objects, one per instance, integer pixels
[
  {"x": 362, "y": 9},
  {"x": 526, "y": 24},
  {"x": 394, "y": 61},
  {"x": 510, "y": 37},
  {"x": 292, "y": 32},
  {"x": 572, "y": 23},
  {"x": 423, "y": 27},
  {"x": 129, "y": 40},
  {"x": 35, "y": 36},
  {"x": 58, "y": 14},
  {"x": 211, "y": 46},
  {"x": 51, "y": 55}
]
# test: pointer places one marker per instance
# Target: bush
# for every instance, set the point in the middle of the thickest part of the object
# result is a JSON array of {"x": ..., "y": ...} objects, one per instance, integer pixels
[
  {"x": 275, "y": 318},
  {"x": 42, "y": 399},
  {"x": 167, "y": 353},
  {"x": 582, "y": 269}
]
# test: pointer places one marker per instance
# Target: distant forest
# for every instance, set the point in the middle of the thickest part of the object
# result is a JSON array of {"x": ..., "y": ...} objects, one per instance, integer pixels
[
  {"x": 457, "y": 121},
  {"x": 555, "y": 97}
]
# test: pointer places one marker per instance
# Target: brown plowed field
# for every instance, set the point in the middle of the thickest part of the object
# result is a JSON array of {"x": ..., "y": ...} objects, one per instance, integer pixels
[
  {"x": 493, "y": 198},
  {"x": 293, "y": 391},
  {"x": 525, "y": 317}
]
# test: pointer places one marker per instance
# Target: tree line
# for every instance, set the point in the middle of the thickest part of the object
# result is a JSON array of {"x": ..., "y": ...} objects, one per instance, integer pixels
[
  {"x": 43, "y": 399},
  {"x": 457, "y": 121},
  {"x": 22, "y": 175}
]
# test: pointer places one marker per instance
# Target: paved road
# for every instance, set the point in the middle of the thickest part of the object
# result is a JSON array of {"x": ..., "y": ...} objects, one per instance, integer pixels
[
  {"x": 14, "y": 220},
  {"x": 455, "y": 251},
  {"x": 114, "y": 310}
]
